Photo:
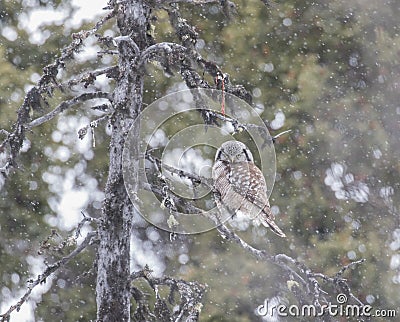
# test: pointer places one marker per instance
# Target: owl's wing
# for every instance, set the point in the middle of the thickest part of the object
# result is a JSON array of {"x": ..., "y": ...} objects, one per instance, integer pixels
[
  {"x": 247, "y": 180},
  {"x": 242, "y": 186},
  {"x": 231, "y": 194}
]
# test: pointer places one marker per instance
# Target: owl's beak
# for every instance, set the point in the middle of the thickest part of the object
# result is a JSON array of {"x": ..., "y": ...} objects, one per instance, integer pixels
[{"x": 229, "y": 157}]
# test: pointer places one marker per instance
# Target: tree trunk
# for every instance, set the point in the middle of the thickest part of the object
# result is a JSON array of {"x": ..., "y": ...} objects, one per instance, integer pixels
[{"x": 113, "y": 258}]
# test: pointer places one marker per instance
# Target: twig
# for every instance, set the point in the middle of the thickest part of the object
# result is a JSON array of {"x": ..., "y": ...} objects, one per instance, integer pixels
[
  {"x": 167, "y": 48},
  {"x": 89, "y": 77},
  {"x": 280, "y": 134},
  {"x": 181, "y": 56},
  {"x": 107, "y": 52},
  {"x": 84, "y": 220},
  {"x": 49, "y": 270},
  {"x": 237, "y": 126},
  {"x": 301, "y": 273},
  {"x": 4, "y": 132},
  {"x": 194, "y": 178},
  {"x": 83, "y": 131},
  {"x": 191, "y": 294},
  {"x": 47, "y": 82},
  {"x": 130, "y": 42},
  {"x": 195, "y": 2},
  {"x": 344, "y": 268},
  {"x": 65, "y": 105}
]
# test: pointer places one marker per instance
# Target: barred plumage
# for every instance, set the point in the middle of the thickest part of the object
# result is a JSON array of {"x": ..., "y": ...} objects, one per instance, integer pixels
[{"x": 242, "y": 185}]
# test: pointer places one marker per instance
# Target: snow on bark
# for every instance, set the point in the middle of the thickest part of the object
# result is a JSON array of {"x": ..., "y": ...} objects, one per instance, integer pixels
[{"x": 113, "y": 282}]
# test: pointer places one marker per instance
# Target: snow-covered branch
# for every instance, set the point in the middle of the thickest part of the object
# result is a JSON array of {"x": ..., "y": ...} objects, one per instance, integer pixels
[
  {"x": 65, "y": 105},
  {"x": 303, "y": 281},
  {"x": 166, "y": 53},
  {"x": 194, "y": 2},
  {"x": 189, "y": 306},
  {"x": 49, "y": 271},
  {"x": 36, "y": 96}
]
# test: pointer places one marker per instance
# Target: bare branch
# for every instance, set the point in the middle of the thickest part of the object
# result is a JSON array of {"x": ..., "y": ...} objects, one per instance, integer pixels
[
  {"x": 4, "y": 132},
  {"x": 344, "y": 268},
  {"x": 88, "y": 78},
  {"x": 280, "y": 134},
  {"x": 131, "y": 43},
  {"x": 65, "y": 105},
  {"x": 186, "y": 33},
  {"x": 196, "y": 179},
  {"x": 166, "y": 53},
  {"x": 191, "y": 294},
  {"x": 34, "y": 98},
  {"x": 195, "y": 2},
  {"x": 49, "y": 270},
  {"x": 83, "y": 131},
  {"x": 294, "y": 270},
  {"x": 84, "y": 220}
]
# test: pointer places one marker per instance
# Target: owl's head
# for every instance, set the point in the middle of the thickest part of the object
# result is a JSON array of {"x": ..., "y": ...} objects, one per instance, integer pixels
[{"x": 233, "y": 151}]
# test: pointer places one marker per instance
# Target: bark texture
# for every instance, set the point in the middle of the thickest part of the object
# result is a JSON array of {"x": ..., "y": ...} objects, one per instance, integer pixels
[{"x": 113, "y": 282}]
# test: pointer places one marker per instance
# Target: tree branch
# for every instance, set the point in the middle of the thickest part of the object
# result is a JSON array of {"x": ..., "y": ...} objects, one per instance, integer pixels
[
  {"x": 191, "y": 294},
  {"x": 34, "y": 98},
  {"x": 296, "y": 272},
  {"x": 83, "y": 131},
  {"x": 15, "y": 139},
  {"x": 49, "y": 270},
  {"x": 170, "y": 50},
  {"x": 65, "y": 105},
  {"x": 195, "y": 2},
  {"x": 135, "y": 48},
  {"x": 88, "y": 78},
  {"x": 188, "y": 38},
  {"x": 194, "y": 178}
]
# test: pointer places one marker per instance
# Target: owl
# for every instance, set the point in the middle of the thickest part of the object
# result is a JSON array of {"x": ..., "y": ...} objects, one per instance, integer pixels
[{"x": 241, "y": 184}]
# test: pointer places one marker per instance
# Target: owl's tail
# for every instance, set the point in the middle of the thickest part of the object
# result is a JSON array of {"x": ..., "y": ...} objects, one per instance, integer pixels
[{"x": 269, "y": 223}]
